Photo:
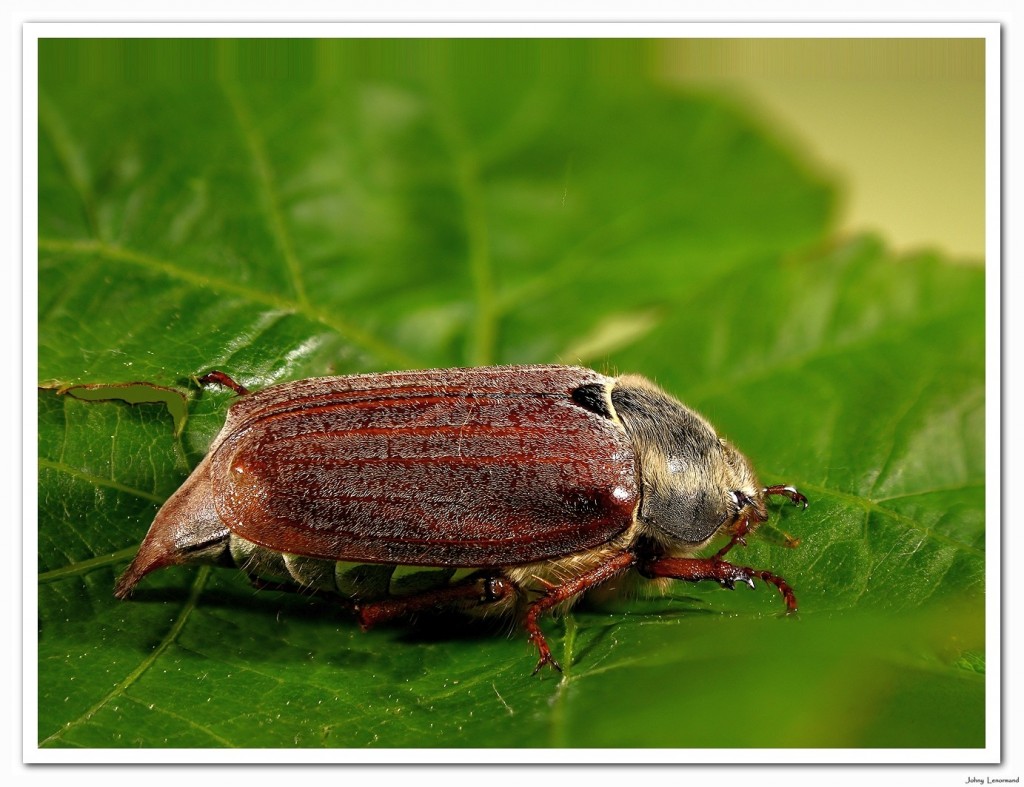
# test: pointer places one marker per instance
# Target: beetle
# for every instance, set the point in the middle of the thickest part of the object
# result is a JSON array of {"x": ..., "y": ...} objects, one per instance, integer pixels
[{"x": 506, "y": 489}]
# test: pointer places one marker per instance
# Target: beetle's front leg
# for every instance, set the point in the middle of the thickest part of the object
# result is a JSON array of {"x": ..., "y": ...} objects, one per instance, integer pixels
[
  {"x": 698, "y": 569},
  {"x": 739, "y": 536},
  {"x": 483, "y": 590},
  {"x": 616, "y": 564}
]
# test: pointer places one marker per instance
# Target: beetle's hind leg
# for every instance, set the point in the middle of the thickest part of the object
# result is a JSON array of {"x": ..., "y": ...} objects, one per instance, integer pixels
[
  {"x": 475, "y": 590},
  {"x": 613, "y": 565}
]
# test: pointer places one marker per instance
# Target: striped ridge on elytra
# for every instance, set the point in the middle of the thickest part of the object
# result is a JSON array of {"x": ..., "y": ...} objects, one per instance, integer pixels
[
  {"x": 329, "y": 405},
  {"x": 440, "y": 417},
  {"x": 420, "y": 389}
]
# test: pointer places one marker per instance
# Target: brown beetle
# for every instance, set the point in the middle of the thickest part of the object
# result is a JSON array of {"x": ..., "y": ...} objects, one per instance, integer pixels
[{"x": 497, "y": 489}]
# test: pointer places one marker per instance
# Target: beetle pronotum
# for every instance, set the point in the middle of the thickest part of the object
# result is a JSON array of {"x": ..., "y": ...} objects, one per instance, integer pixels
[{"x": 497, "y": 489}]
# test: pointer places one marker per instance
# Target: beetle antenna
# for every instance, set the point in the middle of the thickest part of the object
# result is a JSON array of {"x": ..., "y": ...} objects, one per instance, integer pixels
[{"x": 220, "y": 378}]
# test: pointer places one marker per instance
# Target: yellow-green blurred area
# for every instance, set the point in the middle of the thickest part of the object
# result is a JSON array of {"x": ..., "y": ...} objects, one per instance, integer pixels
[
  {"x": 900, "y": 121},
  {"x": 772, "y": 230}
]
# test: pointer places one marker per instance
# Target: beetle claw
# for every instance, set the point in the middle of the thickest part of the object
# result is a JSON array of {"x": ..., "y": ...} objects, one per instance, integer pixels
[
  {"x": 548, "y": 659},
  {"x": 786, "y": 490},
  {"x": 544, "y": 651}
]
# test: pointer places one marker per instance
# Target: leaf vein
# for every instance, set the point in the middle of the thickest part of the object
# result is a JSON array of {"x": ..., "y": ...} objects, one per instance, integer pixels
[
  {"x": 374, "y": 344},
  {"x": 189, "y": 722},
  {"x": 71, "y": 157},
  {"x": 96, "y": 480},
  {"x": 265, "y": 177},
  {"x": 85, "y": 566},
  {"x": 145, "y": 664}
]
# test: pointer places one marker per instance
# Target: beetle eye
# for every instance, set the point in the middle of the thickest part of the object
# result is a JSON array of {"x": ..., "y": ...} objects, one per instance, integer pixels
[{"x": 740, "y": 499}]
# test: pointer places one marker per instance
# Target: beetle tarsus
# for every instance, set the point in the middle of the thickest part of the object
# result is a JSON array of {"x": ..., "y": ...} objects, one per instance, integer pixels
[
  {"x": 537, "y": 638},
  {"x": 543, "y": 649},
  {"x": 697, "y": 569},
  {"x": 784, "y": 588},
  {"x": 545, "y": 658},
  {"x": 784, "y": 490}
]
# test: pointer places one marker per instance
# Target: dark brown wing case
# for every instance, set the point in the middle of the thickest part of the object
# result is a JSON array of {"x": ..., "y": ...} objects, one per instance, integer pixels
[{"x": 456, "y": 467}]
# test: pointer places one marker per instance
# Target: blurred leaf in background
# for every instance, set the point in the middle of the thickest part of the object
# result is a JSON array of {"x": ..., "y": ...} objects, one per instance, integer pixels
[{"x": 281, "y": 209}]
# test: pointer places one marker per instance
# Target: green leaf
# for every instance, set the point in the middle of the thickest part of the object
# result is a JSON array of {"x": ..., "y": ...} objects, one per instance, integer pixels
[{"x": 282, "y": 209}]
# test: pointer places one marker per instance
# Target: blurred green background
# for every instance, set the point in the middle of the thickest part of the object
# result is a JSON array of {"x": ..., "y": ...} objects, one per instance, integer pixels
[
  {"x": 900, "y": 121},
  {"x": 280, "y": 209}
]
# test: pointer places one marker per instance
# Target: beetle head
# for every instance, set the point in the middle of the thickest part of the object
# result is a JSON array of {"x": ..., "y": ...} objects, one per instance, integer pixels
[
  {"x": 695, "y": 484},
  {"x": 693, "y": 496}
]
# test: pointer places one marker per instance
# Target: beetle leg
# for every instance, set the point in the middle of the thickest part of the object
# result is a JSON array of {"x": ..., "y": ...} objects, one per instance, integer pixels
[
  {"x": 222, "y": 379},
  {"x": 784, "y": 490},
  {"x": 480, "y": 589},
  {"x": 616, "y": 564},
  {"x": 743, "y": 526},
  {"x": 739, "y": 536},
  {"x": 698, "y": 569}
]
